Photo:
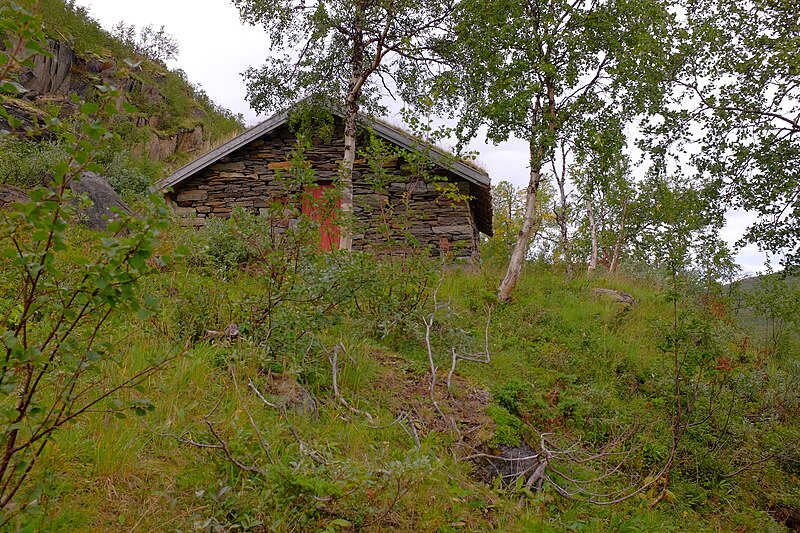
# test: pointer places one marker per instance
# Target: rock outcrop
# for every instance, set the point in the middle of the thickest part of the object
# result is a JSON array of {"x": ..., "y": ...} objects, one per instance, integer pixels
[
  {"x": 65, "y": 72},
  {"x": 52, "y": 75}
]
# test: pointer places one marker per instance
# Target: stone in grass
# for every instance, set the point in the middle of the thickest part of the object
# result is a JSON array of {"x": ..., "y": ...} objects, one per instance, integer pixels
[
  {"x": 284, "y": 392},
  {"x": 103, "y": 198},
  {"x": 616, "y": 296},
  {"x": 508, "y": 463}
]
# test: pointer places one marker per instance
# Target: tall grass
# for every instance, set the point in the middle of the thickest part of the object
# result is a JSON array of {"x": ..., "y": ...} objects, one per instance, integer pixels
[{"x": 563, "y": 360}]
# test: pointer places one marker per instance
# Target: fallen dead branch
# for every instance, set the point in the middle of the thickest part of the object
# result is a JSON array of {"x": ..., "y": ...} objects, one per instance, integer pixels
[
  {"x": 481, "y": 357},
  {"x": 428, "y": 321},
  {"x": 564, "y": 467},
  {"x": 334, "y": 359}
]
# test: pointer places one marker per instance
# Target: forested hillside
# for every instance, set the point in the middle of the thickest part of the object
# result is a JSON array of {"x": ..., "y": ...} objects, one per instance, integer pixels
[{"x": 236, "y": 377}]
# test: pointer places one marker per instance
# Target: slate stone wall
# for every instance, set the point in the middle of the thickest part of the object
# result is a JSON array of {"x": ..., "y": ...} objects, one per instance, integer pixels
[{"x": 408, "y": 205}]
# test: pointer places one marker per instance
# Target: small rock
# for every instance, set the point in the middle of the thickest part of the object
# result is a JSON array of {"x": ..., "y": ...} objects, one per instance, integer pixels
[
  {"x": 230, "y": 332},
  {"x": 288, "y": 394},
  {"x": 616, "y": 296}
]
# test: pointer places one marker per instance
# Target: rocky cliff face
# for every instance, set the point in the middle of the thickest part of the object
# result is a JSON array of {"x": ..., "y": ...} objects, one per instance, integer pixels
[
  {"x": 51, "y": 75},
  {"x": 53, "y": 79}
]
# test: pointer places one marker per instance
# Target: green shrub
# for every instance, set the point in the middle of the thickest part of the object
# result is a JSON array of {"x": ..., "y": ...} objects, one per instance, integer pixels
[
  {"x": 65, "y": 291},
  {"x": 508, "y": 428},
  {"x": 512, "y": 396},
  {"x": 26, "y": 163},
  {"x": 225, "y": 245}
]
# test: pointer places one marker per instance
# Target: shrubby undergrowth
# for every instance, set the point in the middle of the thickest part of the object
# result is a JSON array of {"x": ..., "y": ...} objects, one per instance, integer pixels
[
  {"x": 61, "y": 291},
  {"x": 254, "y": 431},
  {"x": 322, "y": 391}
]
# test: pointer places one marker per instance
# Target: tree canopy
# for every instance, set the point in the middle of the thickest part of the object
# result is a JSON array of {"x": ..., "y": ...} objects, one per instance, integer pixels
[
  {"x": 543, "y": 71},
  {"x": 743, "y": 74},
  {"x": 330, "y": 47}
]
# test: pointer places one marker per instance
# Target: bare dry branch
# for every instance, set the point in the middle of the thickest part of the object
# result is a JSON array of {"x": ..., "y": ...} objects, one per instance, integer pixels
[
  {"x": 428, "y": 326},
  {"x": 261, "y": 442},
  {"x": 334, "y": 359}
]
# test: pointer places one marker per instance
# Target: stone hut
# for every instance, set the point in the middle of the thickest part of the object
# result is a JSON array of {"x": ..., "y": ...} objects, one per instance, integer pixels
[{"x": 445, "y": 208}]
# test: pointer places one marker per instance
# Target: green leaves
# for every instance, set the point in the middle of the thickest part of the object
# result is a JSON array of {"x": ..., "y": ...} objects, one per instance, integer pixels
[
  {"x": 741, "y": 65},
  {"x": 321, "y": 46},
  {"x": 65, "y": 287}
]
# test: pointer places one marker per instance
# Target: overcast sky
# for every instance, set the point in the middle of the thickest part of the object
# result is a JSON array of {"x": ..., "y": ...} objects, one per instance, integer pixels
[{"x": 215, "y": 48}]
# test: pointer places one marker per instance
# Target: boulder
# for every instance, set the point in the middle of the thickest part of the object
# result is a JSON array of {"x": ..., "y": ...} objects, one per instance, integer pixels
[
  {"x": 96, "y": 188},
  {"x": 30, "y": 117},
  {"x": 10, "y": 194},
  {"x": 616, "y": 296},
  {"x": 103, "y": 198}
]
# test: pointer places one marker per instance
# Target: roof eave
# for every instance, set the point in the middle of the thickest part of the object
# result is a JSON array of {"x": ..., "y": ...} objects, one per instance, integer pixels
[
  {"x": 443, "y": 158},
  {"x": 243, "y": 139}
]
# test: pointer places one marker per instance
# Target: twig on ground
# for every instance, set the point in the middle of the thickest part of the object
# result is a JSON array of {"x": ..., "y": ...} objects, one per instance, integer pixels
[
  {"x": 261, "y": 442},
  {"x": 413, "y": 431},
  {"x": 788, "y": 446},
  {"x": 428, "y": 326},
  {"x": 334, "y": 359},
  {"x": 481, "y": 357},
  {"x": 314, "y": 454}
]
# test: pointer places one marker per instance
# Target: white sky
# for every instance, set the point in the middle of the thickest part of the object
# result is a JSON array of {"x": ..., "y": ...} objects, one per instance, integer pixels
[{"x": 215, "y": 48}]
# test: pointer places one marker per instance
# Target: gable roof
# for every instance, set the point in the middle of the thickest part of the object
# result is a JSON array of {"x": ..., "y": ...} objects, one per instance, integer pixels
[{"x": 480, "y": 183}]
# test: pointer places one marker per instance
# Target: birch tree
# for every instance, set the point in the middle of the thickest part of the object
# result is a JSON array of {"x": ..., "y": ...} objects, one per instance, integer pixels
[
  {"x": 743, "y": 72},
  {"x": 532, "y": 69},
  {"x": 562, "y": 211},
  {"x": 508, "y": 204},
  {"x": 342, "y": 50},
  {"x": 601, "y": 172}
]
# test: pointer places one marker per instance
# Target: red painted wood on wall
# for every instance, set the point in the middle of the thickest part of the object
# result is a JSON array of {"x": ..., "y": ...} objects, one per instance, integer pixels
[{"x": 317, "y": 209}]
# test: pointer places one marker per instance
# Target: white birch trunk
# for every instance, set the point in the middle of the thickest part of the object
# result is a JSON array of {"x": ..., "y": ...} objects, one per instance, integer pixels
[
  {"x": 523, "y": 238},
  {"x": 561, "y": 212},
  {"x": 620, "y": 239},
  {"x": 536, "y": 153},
  {"x": 358, "y": 76},
  {"x": 593, "y": 232},
  {"x": 346, "y": 173}
]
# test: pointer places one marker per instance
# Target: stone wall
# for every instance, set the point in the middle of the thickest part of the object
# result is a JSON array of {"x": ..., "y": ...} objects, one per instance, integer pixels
[{"x": 406, "y": 206}]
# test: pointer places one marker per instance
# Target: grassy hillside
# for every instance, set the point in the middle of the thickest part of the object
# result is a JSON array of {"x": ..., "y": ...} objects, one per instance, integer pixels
[
  {"x": 250, "y": 433},
  {"x": 255, "y": 383},
  {"x": 173, "y": 120}
]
